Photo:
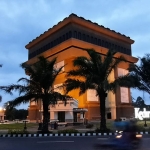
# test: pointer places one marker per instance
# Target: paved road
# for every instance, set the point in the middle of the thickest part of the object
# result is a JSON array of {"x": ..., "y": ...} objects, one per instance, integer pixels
[{"x": 55, "y": 143}]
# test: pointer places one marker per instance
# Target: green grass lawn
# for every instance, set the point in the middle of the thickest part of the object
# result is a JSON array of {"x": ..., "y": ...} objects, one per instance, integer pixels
[
  {"x": 31, "y": 126},
  {"x": 140, "y": 125},
  {"x": 18, "y": 126}
]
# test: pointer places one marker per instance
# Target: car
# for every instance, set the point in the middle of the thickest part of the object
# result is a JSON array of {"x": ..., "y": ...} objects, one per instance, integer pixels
[
  {"x": 54, "y": 120},
  {"x": 123, "y": 119},
  {"x": 4, "y": 121}
]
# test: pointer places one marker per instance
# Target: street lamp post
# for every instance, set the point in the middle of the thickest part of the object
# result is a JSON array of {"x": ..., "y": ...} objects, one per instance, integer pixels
[
  {"x": 25, "y": 126},
  {"x": 40, "y": 113},
  {"x": 145, "y": 124}
]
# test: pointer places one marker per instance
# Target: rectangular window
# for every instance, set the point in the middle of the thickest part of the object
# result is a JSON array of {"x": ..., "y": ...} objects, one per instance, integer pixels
[
  {"x": 123, "y": 90},
  {"x": 92, "y": 95}
]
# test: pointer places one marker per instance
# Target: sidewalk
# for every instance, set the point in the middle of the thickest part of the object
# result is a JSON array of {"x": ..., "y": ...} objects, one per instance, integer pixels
[
  {"x": 3, "y": 131},
  {"x": 80, "y": 128}
]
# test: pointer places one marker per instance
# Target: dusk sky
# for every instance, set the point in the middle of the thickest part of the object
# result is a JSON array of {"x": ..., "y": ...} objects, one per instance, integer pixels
[{"x": 21, "y": 21}]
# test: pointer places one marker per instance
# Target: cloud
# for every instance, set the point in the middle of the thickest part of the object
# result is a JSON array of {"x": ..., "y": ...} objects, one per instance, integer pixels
[{"x": 22, "y": 21}]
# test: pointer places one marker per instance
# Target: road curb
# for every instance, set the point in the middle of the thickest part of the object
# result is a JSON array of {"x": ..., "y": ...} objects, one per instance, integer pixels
[
  {"x": 55, "y": 134},
  {"x": 62, "y": 134}
]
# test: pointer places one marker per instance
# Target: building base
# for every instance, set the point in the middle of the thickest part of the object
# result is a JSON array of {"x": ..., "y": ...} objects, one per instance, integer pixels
[{"x": 124, "y": 111}]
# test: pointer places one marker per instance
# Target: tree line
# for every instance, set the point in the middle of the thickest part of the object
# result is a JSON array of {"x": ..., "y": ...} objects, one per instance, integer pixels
[{"x": 14, "y": 113}]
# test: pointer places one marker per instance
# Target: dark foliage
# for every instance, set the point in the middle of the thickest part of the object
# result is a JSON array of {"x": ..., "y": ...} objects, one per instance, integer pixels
[
  {"x": 14, "y": 113},
  {"x": 39, "y": 87},
  {"x": 93, "y": 73},
  {"x": 142, "y": 73}
]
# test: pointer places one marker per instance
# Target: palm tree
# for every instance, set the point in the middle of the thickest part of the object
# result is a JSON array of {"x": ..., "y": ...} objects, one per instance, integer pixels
[
  {"x": 142, "y": 72},
  {"x": 92, "y": 73},
  {"x": 38, "y": 87}
]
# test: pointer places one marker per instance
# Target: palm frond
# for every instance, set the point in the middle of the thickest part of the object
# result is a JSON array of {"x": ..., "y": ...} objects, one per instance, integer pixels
[
  {"x": 17, "y": 101},
  {"x": 94, "y": 57},
  {"x": 142, "y": 72},
  {"x": 56, "y": 72},
  {"x": 14, "y": 87},
  {"x": 56, "y": 96},
  {"x": 81, "y": 62},
  {"x": 110, "y": 62},
  {"x": 124, "y": 81},
  {"x": 26, "y": 80},
  {"x": 72, "y": 84}
]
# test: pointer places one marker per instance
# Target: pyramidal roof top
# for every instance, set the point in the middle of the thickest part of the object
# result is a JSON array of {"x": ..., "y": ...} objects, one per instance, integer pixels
[{"x": 74, "y": 15}]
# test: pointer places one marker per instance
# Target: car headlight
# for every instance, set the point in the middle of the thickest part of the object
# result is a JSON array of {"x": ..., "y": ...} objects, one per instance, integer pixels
[
  {"x": 118, "y": 136},
  {"x": 138, "y": 136}
]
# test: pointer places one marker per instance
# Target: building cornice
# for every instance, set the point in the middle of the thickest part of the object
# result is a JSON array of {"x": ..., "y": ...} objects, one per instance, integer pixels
[
  {"x": 73, "y": 18},
  {"x": 74, "y": 43}
]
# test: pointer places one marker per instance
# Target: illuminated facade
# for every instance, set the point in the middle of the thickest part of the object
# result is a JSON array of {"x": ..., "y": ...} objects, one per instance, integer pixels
[{"x": 66, "y": 40}]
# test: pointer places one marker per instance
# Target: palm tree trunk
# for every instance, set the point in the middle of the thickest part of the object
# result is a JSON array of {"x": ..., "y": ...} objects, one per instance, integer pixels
[
  {"x": 102, "y": 96},
  {"x": 45, "y": 117}
]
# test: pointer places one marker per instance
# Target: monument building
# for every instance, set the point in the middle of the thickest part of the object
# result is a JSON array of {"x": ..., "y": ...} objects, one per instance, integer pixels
[{"x": 66, "y": 41}]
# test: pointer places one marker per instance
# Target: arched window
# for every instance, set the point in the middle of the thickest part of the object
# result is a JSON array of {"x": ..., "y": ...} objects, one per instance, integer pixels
[
  {"x": 99, "y": 42},
  {"x": 103, "y": 43},
  {"x": 70, "y": 34},
  {"x": 109, "y": 45},
  {"x": 51, "y": 44},
  {"x": 67, "y": 37},
  {"x": 125, "y": 51},
  {"x": 88, "y": 38},
  {"x": 79, "y": 35},
  {"x": 75, "y": 34},
  {"x": 92, "y": 39},
  {"x": 119, "y": 49},
  {"x": 83, "y": 37},
  {"x": 95, "y": 41},
  {"x": 60, "y": 39},
  {"x": 63, "y": 37},
  {"x": 116, "y": 48},
  {"x": 106, "y": 44},
  {"x": 57, "y": 41},
  {"x": 54, "y": 42},
  {"x": 113, "y": 46},
  {"x": 122, "y": 50}
]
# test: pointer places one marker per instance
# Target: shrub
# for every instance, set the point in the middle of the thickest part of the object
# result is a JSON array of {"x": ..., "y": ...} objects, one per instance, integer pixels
[
  {"x": 90, "y": 131},
  {"x": 16, "y": 131},
  {"x": 68, "y": 131},
  {"x": 89, "y": 126},
  {"x": 42, "y": 132},
  {"x": 102, "y": 131}
]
